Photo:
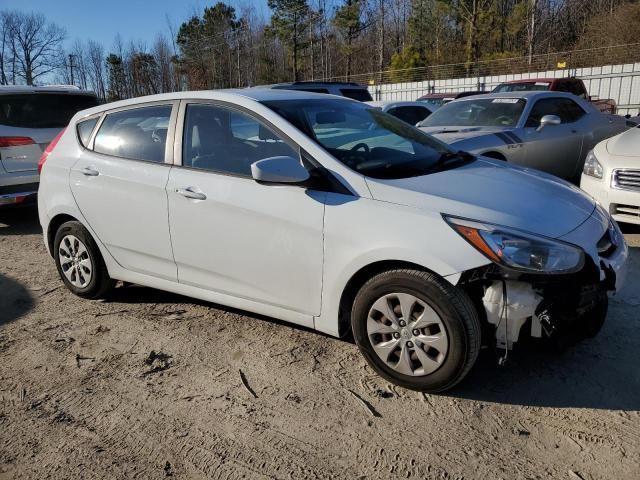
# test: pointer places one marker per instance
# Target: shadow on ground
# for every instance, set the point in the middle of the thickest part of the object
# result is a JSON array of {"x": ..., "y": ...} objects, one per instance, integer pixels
[
  {"x": 19, "y": 221},
  {"x": 15, "y": 300}
]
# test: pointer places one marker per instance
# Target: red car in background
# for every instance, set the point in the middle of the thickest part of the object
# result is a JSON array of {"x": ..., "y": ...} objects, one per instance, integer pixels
[{"x": 566, "y": 84}]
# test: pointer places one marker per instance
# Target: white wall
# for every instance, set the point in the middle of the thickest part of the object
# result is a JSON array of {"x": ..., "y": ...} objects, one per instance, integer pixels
[{"x": 619, "y": 82}]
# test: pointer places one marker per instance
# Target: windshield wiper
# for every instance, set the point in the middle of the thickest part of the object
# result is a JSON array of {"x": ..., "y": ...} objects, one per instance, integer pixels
[{"x": 447, "y": 157}]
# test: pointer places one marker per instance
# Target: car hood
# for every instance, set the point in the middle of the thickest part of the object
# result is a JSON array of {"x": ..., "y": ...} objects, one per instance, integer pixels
[
  {"x": 493, "y": 192},
  {"x": 451, "y": 135},
  {"x": 626, "y": 144}
]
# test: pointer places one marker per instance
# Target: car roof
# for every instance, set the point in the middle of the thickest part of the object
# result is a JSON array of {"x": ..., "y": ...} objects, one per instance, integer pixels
[
  {"x": 397, "y": 103},
  {"x": 317, "y": 84},
  {"x": 259, "y": 94},
  {"x": 68, "y": 89},
  {"x": 534, "y": 80},
  {"x": 434, "y": 96},
  {"x": 525, "y": 95}
]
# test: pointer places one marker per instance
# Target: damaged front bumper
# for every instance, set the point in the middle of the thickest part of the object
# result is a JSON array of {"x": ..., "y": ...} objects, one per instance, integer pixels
[{"x": 554, "y": 306}]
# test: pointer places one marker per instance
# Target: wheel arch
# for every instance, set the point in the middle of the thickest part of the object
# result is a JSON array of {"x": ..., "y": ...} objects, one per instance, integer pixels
[
  {"x": 356, "y": 282},
  {"x": 54, "y": 225}
]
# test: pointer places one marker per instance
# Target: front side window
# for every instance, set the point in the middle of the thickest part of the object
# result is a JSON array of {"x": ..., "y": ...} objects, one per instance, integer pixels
[
  {"x": 485, "y": 112},
  {"x": 366, "y": 139},
  {"x": 228, "y": 141},
  {"x": 568, "y": 111},
  {"x": 138, "y": 133}
]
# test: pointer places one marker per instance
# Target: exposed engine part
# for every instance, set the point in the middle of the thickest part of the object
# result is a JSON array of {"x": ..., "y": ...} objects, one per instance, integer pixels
[{"x": 521, "y": 304}]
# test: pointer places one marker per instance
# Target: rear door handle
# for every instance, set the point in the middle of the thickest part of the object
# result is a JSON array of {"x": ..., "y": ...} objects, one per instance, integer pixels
[
  {"x": 90, "y": 172},
  {"x": 188, "y": 192}
]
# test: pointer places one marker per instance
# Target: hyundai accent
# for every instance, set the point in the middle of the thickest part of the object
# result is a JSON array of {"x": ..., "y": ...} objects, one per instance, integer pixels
[{"x": 330, "y": 214}]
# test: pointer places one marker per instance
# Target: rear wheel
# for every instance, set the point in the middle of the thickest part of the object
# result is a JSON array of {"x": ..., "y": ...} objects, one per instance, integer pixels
[
  {"x": 79, "y": 261},
  {"x": 416, "y": 330}
]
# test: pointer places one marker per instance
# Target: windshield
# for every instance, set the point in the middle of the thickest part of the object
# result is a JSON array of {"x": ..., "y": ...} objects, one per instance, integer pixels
[
  {"x": 521, "y": 87},
  {"x": 42, "y": 110},
  {"x": 484, "y": 112},
  {"x": 365, "y": 139}
]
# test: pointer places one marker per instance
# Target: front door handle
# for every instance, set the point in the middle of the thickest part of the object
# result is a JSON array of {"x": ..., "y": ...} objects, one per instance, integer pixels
[
  {"x": 90, "y": 172},
  {"x": 188, "y": 192}
]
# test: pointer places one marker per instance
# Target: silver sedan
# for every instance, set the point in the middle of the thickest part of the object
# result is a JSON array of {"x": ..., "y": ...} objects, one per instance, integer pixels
[{"x": 549, "y": 131}]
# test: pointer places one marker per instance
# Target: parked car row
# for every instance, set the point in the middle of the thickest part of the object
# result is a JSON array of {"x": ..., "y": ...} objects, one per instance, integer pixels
[
  {"x": 30, "y": 117},
  {"x": 236, "y": 186},
  {"x": 328, "y": 213}
]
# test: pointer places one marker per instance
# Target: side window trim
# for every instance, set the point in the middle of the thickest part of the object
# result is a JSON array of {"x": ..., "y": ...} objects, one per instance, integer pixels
[
  {"x": 182, "y": 116},
  {"x": 168, "y": 151},
  {"x": 89, "y": 144}
]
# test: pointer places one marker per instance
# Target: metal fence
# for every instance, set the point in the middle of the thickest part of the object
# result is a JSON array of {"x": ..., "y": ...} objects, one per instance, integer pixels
[{"x": 608, "y": 72}]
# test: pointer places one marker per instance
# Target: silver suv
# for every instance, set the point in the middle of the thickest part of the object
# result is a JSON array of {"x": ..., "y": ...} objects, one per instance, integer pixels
[
  {"x": 30, "y": 118},
  {"x": 352, "y": 90}
]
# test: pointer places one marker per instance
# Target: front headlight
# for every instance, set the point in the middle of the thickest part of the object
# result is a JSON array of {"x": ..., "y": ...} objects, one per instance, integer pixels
[
  {"x": 519, "y": 250},
  {"x": 592, "y": 166}
]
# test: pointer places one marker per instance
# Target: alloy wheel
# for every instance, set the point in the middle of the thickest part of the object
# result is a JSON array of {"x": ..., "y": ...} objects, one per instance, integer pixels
[
  {"x": 407, "y": 334},
  {"x": 75, "y": 261}
]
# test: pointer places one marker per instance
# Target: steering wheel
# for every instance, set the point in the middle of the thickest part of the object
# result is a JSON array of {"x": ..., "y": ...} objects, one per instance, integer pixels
[
  {"x": 362, "y": 146},
  {"x": 504, "y": 120}
]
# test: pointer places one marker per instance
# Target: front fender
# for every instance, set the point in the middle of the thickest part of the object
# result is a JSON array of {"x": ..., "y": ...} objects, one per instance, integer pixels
[{"x": 362, "y": 232}]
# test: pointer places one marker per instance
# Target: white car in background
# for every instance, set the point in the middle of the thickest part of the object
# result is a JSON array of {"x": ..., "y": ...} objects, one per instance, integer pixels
[
  {"x": 30, "y": 117},
  {"x": 611, "y": 175},
  {"x": 410, "y": 112},
  {"x": 327, "y": 213}
]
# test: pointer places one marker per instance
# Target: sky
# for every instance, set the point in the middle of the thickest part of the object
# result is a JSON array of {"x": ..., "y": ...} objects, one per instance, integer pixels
[{"x": 137, "y": 20}]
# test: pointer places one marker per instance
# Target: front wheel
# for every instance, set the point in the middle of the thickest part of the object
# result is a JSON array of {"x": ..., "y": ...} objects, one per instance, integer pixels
[{"x": 416, "y": 330}]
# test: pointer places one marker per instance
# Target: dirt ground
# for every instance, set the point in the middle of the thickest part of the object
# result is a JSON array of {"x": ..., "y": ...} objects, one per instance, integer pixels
[{"x": 154, "y": 385}]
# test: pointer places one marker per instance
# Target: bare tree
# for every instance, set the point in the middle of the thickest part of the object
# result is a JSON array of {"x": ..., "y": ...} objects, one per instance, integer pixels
[{"x": 35, "y": 45}]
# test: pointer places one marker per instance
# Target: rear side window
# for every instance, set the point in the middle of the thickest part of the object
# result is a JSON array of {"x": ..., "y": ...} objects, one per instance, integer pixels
[
  {"x": 84, "y": 129},
  {"x": 42, "y": 110},
  {"x": 360, "y": 94},
  {"x": 139, "y": 133}
]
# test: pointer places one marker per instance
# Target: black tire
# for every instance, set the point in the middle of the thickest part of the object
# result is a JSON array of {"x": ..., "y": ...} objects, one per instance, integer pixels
[
  {"x": 592, "y": 322},
  {"x": 100, "y": 282},
  {"x": 457, "y": 314}
]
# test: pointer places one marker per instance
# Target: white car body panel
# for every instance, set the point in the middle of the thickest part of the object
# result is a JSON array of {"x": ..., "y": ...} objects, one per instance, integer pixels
[
  {"x": 619, "y": 153},
  {"x": 297, "y": 249},
  {"x": 265, "y": 243}
]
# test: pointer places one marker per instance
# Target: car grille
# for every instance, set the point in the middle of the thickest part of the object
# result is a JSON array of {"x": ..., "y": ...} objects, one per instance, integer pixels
[
  {"x": 626, "y": 179},
  {"x": 626, "y": 212}
]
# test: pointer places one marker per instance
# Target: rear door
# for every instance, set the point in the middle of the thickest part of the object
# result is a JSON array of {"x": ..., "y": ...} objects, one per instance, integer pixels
[
  {"x": 29, "y": 121},
  {"x": 556, "y": 149},
  {"x": 119, "y": 185}
]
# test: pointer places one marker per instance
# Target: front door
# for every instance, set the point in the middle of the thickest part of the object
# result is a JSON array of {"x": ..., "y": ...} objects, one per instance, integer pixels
[
  {"x": 556, "y": 149},
  {"x": 232, "y": 235},
  {"x": 119, "y": 187}
]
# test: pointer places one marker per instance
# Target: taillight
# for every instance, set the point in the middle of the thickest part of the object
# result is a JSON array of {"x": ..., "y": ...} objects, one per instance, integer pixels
[
  {"x": 15, "y": 141},
  {"x": 48, "y": 150}
]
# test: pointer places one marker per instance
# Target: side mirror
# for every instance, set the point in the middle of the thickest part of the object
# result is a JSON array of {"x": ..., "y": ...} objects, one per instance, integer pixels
[
  {"x": 279, "y": 170},
  {"x": 549, "y": 120}
]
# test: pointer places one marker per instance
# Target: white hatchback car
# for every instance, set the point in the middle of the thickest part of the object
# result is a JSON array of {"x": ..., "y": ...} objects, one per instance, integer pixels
[
  {"x": 330, "y": 214},
  {"x": 612, "y": 175}
]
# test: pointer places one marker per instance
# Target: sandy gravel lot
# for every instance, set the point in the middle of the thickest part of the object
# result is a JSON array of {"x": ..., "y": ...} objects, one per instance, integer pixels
[{"x": 154, "y": 385}]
